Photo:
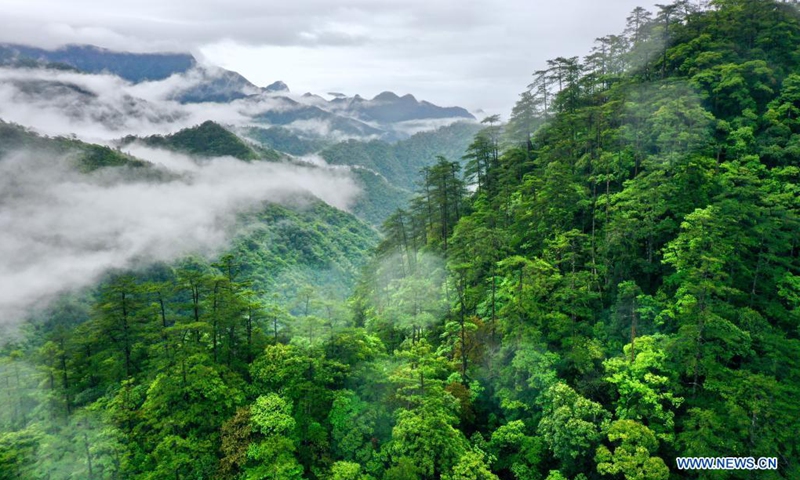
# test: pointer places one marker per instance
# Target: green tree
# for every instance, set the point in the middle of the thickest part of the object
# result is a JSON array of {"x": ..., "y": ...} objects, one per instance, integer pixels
[{"x": 632, "y": 456}]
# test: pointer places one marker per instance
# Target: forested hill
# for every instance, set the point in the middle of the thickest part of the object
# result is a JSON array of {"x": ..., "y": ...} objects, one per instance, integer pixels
[
  {"x": 86, "y": 156},
  {"x": 611, "y": 281},
  {"x": 207, "y": 139},
  {"x": 400, "y": 162},
  {"x": 623, "y": 287}
]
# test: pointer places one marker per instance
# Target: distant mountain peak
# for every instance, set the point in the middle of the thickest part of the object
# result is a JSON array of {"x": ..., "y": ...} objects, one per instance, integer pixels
[
  {"x": 278, "y": 86},
  {"x": 386, "y": 97},
  {"x": 209, "y": 139},
  {"x": 387, "y": 108},
  {"x": 134, "y": 67}
]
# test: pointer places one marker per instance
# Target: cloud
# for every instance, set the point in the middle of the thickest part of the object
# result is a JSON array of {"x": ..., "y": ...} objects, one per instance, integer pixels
[
  {"x": 410, "y": 127},
  {"x": 101, "y": 108},
  {"x": 104, "y": 107},
  {"x": 97, "y": 107},
  {"x": 61, "y": 230},
  {"x": 476, "y": 53}
]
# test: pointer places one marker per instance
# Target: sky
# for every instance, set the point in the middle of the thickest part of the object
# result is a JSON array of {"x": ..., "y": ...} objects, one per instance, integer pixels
[{"x": 478, "y": 54}]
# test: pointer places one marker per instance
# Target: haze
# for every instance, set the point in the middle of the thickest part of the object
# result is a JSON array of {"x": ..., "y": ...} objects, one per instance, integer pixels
[
  {"x": 60, "y": 230},
  {"x": 478, "y": 54}
]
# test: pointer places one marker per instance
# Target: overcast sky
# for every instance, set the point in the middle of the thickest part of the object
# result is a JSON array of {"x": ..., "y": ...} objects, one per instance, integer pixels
[{"x": 478, "y": 54}]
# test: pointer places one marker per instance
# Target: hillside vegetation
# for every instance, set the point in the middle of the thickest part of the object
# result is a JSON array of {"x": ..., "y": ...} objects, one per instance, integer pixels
[
  {"x": 87, "y": 156},
  {"x": 607, "y": 282},
  {"x": 400, "y": 162},
  {"x": 208, "y": 139}
]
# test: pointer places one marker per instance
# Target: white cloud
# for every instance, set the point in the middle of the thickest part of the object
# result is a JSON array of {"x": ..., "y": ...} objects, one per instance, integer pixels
[
  {"x": 60, "y": 230},
  {"x": 476, "y": 53}
]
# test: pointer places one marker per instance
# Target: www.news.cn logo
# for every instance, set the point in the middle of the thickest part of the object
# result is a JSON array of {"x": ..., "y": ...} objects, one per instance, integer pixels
[{"x": 727, "y": 463}]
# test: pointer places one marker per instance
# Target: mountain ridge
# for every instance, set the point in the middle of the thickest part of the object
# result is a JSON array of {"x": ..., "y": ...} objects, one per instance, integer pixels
[
  {"x": 134, "y": 67},
  {"x": 199, "y": 83}
]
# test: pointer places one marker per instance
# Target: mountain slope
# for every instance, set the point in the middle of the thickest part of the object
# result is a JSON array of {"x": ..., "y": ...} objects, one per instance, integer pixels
[
  {"x": 379, "y": 198},
  {"x": 314, "y": 120},
  {"x": 135, "y": 67},
  {"x": 631, "y": 266},
  {"x": 401, "y": 162},
  {"x": 208, "y": 139},
  {"x": 614, "y": 289},
  {"x": 89, "y": 157},
  {"x": 387, "y": 108},
  {"x": 284, "y": 140},
  {"x": 215, "y": 85}
]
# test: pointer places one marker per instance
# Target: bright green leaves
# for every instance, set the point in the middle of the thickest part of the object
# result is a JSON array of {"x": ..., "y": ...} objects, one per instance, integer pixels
[
  {"x": 192, "y": 396},
  {"x": 679, "y": 125},
  {"x": 633, "y": 446},
  {"x": 644, "y": 385},
  {"x": 271, "y": 416},
  {"x": 571, "y": 424},
  {"x": 271, "y": 454},
  {"x": 531, "y": 373},
  {"x": 427, "y": 435},
  {"x": 734, "y": 88},
  {"x": 471, "y": 466},
  {"x": 176, "y": 456},
  {"x": 516, "y": 450},
  {"x": 422, "y": 373},
  {"x": 353, "y": 428},
  {"x": 425, "y": 431},
  {"x": 347, "y": 471}
]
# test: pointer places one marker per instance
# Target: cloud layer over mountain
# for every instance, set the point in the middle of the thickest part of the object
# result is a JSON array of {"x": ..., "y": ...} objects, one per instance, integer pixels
[
  {"x": 103, "y": 106},
  {"x": 60, "y": 229},
  {"x": 478, "y": 54}
]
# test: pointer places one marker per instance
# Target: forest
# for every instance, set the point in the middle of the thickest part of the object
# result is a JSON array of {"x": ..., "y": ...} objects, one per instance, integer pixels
[{"x": 605, "y": 282}]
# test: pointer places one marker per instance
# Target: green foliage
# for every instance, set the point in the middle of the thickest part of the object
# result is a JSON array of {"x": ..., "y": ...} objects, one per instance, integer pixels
[
  {"x": 471, "y": 466},
  {"x": 87, "y": 157},
  {"x": 620, "y": 288},
  {"x": 284, "y": 140},
  {"x": 379, "y": 198},
  {"x": 400, "y": 162},
  {"x": 571, "y": 424},
  {"x": 427, "y": 435},
  {"x": 631, "y": 457},
  {"x": 208, "y": 139},
  {"x": 642, "y": 380},
  {"x": 353, "y": 426},
  {"x": 260, "y": 441}
]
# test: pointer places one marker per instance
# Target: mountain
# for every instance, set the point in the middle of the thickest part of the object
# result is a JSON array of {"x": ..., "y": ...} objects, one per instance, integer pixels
[
  {"x": 379, "y": 198},
  {"x": 134, "y": 67},
  {"x": 208, "y": 139},
  {"x": 400, "y": 162},
  {"x": 388, "y": 108},
  {"x": 277, "y": 87},
  {"x": 310, "y": 119},
  {"x": 158, "y": 80},
  {"x": 214, "y": 85},
  {"x": 300, "y": 242},
  {"x": 74, "y": 100},
  {"x": 284, "y": 140},
  {"x": 392, "y": 114},
  {"x": 86, "y": 157},
  {"x": 610, "y": 283}
]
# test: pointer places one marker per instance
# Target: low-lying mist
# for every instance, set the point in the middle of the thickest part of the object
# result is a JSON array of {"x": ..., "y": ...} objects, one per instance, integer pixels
[{"x": 60, "y": 230}]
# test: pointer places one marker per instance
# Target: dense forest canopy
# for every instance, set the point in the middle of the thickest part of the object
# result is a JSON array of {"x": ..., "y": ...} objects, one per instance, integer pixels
[{"x": 610, "y": 281}]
